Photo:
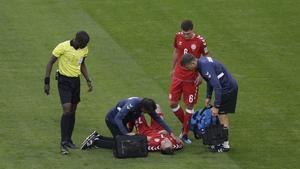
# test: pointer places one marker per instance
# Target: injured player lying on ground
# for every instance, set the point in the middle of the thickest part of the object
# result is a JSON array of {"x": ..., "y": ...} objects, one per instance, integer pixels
[{"x": 158, "y": 139}]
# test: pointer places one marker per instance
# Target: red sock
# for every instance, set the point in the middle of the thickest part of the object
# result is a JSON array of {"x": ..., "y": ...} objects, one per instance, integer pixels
[
  {"x": 187, "y": 118},
  {"x": 179, "y": 114}
]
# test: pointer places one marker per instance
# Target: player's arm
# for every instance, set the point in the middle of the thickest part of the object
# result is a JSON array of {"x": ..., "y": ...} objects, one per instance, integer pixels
[
  {"x": 214, "y": 81},
  {"x": 85, "y": 73},
  {"x": 209, "y": 90},
  {"x": 205, "y": 48},
  {"x": 160, "y": 121},
  {"x": 198, "y": 80},
  {"x": 175, "y": 52},
  {"x": 215, "y": 84},
  {"x": 119, "y": 119},
  {"x": 47, "y": 74},
  {"x": 174, "y": 61}
]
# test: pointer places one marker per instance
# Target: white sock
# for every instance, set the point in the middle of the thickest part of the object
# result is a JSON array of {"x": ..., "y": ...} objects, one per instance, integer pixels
[
  {"x": 190, "y": 111},
  {"x": 226, "y": 144},
  {"x": 176, "y": 108}
]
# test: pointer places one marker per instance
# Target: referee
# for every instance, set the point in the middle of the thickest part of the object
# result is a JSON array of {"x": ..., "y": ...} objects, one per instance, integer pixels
[{"x": 71, "y": 56}]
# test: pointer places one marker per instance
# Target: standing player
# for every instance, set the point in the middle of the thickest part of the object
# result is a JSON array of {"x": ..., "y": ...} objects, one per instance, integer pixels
[
  {"x": 185, "y": 83},
  {"x": 71, "y": 56},
  {"x": 219, "y": 80}
]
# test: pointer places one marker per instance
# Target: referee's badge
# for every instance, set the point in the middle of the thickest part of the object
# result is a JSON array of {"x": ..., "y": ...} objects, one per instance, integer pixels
[{"x": 80, "y": 60}]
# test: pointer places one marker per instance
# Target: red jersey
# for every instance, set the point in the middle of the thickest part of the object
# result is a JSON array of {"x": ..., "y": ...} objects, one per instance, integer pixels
[
  {"x": 143, "y": 128},
  {"x": 195, "y": 46},
  {"x": 156, "y": 139},
  {"x": 152, "y": 131}
]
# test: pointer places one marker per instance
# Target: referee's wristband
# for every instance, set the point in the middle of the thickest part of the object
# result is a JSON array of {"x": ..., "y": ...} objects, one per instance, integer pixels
[{"x": 47, "y": 80}]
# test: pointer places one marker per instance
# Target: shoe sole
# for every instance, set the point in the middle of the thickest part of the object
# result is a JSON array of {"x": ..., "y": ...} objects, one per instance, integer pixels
[
  {"x": 219, "y": 150},
  {"x": 64, "y": 151},
  {"x": 187, "y": 142},
  {"x": 87, "y": 139},
  {"x": 184, "y": 141}
]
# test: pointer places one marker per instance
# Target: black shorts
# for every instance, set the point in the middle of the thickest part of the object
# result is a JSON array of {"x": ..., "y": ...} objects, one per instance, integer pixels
[
  {"x": 69, "y": 89},
  {"x": 228, "y": 102}
]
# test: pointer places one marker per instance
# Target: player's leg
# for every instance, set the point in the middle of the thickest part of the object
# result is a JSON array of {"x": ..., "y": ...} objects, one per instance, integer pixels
[
  {"x": 74, "y": 100},
  {"x": 97, "y": 141},
  {"x": 113, "y": 128},
  {"x": 104, "y": 142},
  {"x": 224, "y": 120},
  {"x": 66, "y": 125},
  {"x": 71, "y": 125},
  {"x": 190, "y": 96},
  {"x": 65, "y": 93},
  {"x": 228, "y": 105},
  {"x": 88, "y": 142},
  {"x": 174, "y": 98},
  {"x": 66, "y": 90}
]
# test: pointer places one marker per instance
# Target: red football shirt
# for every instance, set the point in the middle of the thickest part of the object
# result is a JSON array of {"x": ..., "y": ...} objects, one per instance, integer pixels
[
  {"x": 152, "y": 131},
  {"x": 156, "y": 139},
  {"x": 195, "y": 46}
]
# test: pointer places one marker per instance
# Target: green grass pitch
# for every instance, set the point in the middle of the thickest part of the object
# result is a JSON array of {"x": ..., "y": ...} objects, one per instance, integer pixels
[{"x": 130, "y": 55}]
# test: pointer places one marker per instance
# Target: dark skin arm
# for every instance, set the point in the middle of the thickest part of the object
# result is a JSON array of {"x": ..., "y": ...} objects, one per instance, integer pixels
[
  {"x": 48, "y": 72},
  {"x": 86, "y": 75}
]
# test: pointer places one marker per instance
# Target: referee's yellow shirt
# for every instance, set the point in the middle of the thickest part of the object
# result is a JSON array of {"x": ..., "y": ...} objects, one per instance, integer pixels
[{"x": 69, "y": 59}]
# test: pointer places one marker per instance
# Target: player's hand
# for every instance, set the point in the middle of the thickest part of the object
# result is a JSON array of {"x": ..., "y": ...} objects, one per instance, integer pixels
[
  {"x": 130, "y": 134},
  {"x": 47, "y": 89},
  {"x": 90, "y": 86},
  {"x": 207, "y": 102},
  {"x": 214, "y": 111},
  {"x": 178, "y": 140},
  {"x": 198, "y": 80}
]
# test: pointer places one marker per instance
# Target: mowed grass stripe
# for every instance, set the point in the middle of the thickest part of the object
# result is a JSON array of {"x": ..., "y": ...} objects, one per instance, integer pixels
[
  {"x": 264, "y": 131},
  {"x": 42, "y": 144},
  {"x": 40, "y": 147}
]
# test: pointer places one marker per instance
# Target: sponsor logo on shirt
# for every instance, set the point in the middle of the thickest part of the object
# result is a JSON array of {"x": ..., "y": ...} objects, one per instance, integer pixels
[
  {"x": 193, "y": 47},
  {"x": 208, "y": 75},
  {"x": 157, "y": 140},
  {"x": 129, "y": 106}
]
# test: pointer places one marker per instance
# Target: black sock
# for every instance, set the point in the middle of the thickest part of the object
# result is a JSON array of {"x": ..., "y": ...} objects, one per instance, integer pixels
[
  {"x": 71, "y": 127},
  {"x": 64, "y": 124},
  {"x": 226, "y": 132}
]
